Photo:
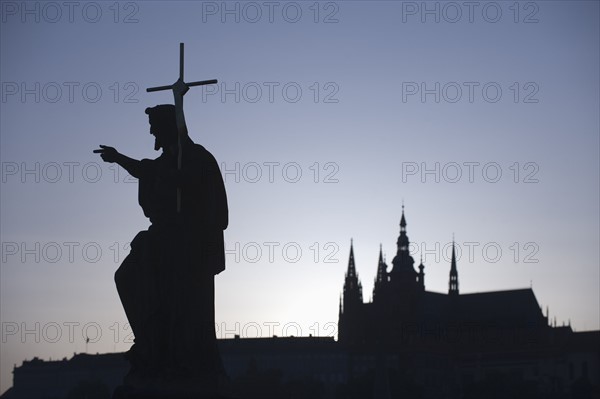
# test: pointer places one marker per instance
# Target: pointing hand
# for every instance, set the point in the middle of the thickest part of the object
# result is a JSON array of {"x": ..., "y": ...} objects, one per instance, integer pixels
[{"x": 108, "y": 154}]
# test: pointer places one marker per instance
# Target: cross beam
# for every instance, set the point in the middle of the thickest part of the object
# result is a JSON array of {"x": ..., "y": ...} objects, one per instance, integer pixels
[{"x": 190, "y": 84}]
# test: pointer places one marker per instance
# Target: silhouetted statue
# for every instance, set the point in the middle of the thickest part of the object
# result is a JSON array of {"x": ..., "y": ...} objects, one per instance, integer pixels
[{"x": 166, "y": 283}]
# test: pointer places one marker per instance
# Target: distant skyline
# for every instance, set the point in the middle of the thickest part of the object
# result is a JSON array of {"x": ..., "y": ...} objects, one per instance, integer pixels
[{"x": 483, "y": 119}]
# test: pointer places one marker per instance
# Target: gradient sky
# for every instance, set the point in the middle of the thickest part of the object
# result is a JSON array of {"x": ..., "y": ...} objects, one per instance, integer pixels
[{"x": 325, "y": 89}]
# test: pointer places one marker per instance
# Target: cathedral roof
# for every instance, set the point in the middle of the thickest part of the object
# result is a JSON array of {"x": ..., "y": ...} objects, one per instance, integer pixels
[{"x": 500, "y": 309}]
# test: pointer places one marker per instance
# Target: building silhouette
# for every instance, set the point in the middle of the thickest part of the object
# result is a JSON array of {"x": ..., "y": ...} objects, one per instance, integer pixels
[
  {"x": 460, "y": 345},
  {"x": 406, "y": 343}
]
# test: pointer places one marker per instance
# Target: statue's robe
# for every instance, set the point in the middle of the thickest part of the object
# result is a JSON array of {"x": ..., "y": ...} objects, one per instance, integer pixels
[{"x": 166, "y": 283}]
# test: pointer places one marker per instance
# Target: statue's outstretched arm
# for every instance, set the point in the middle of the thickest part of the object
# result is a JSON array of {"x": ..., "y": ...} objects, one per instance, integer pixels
[{"x": 111, "y": 155}]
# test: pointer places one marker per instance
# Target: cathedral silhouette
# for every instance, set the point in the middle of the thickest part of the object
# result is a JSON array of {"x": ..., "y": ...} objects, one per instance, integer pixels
[
  {"x": 403, "y": 311},
  {"x": 409, "y": 342}
]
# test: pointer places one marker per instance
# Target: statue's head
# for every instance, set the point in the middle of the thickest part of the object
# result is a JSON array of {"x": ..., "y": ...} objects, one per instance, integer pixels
[{"x": 163, "y": 125}]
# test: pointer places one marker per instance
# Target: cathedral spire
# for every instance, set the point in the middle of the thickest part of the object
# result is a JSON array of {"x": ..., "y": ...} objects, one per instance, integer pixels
[
  {"x": 351, "y": 272},
  {"x": 453, "y": 284},
  {"x": 402, "y": 219},
  {"x": 403, "y": 238},
  {"x": 381, "y": 267},
  {"x": 381, "y": 277},
  {"x": 351, "y": 301},
  {"x": 352, "y": 285},
  {"x": 421, "y": 276}
]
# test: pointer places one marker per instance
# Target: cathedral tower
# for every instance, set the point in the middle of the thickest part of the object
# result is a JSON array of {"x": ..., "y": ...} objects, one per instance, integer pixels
[
  {"x": 381, "y": 278},
  {"x": 403, "y": 275},
  {"x": 351, "y": 303}
]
